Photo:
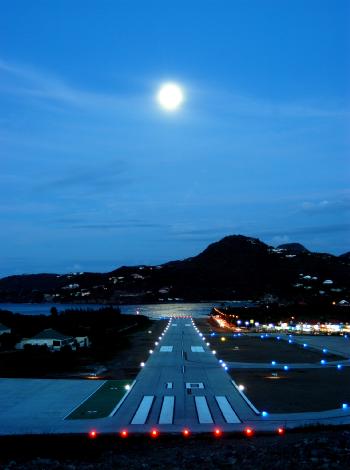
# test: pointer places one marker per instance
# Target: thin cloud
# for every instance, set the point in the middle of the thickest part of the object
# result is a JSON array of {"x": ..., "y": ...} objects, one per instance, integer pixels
[
  {"x": 93, "y": 178},
  {"x": 325, "y": 205},
  {"x": 234, "y": 103},
  {"x": 116, "y": 226},
  {"x": 24, "y": 80},
  {"x": 312, "y": 230},
  {"x": 20, "y": 80}
]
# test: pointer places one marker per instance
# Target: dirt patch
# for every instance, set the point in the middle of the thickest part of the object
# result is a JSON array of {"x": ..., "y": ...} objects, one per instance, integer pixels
[{"x": 295, "y": 390}]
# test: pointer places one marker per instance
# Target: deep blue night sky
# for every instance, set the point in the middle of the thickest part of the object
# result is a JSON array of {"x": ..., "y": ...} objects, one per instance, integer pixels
[{"x": 94, "y": 174}]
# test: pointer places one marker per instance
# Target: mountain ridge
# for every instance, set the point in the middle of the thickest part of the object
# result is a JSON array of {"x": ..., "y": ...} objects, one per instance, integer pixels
[{"x": 235, "y": 266}]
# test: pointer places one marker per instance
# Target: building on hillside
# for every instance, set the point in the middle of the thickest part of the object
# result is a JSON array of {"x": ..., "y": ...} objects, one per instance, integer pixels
[
  {"x": 54, "y": 340},
  {"x": 4, "y": 329}
]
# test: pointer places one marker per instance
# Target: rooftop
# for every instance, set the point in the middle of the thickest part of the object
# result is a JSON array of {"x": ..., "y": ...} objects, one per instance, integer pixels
[{"x": 50, "y": 333}]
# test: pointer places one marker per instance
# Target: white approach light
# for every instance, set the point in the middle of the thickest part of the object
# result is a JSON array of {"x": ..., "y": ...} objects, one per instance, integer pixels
[{"x": 170, "y": 96}]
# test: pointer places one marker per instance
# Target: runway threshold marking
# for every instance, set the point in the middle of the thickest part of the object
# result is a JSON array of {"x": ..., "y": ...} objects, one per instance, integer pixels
[
  {"x": 227, "y": 411},
  {"x": 203, "y": 412},
  {"x": 141, "y": 415},
  {"x": 166, "y": 349},
  {"x": 167, "y": 411}
]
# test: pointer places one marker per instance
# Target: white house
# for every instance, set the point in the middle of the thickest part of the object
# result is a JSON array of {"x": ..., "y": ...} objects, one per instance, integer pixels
[
  {"x": 54, "y": 340},
  {"x": 4, "y": 329}
]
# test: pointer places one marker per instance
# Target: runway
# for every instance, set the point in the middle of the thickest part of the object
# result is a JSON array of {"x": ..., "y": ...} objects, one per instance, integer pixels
[{"x": 183, "y": 385}]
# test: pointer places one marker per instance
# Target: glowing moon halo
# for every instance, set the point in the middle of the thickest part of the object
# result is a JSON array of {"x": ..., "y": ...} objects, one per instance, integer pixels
[{"x": 170, "y": 96}]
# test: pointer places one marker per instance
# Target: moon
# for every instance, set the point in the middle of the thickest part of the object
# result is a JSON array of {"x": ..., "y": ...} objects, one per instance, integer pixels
[{"x": 170, "y": 96}]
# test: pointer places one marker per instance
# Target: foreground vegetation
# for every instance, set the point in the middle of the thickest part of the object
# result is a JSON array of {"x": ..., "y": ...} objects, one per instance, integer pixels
[{"x": 318, "y": 448}]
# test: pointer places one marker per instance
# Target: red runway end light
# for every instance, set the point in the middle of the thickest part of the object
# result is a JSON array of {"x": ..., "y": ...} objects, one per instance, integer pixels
[
  {"x": 124, "y": 433},
  {"x": 248, "y": 432},
  {"x": 217, "y": 432},
  {"x": 92, "y": 434},
  {"x": 154, "y": 433},
  {"x": 186, "y": 432},
  {"x": 280, "y": 431}
]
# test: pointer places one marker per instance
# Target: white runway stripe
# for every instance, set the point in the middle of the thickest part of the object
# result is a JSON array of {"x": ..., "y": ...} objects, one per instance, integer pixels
[
  {"x": 143, "y": 410},
  {"x": 166, "y": 349},
  {"x": 167, "y": 411},
  {"x": 226, "y": 409},
  {"x": 204, "y": 416}
]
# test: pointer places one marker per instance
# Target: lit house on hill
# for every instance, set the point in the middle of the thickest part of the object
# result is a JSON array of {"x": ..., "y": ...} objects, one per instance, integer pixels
[
  {"x": 54, "y": 340},
  {"x": 4, "y": 329}
]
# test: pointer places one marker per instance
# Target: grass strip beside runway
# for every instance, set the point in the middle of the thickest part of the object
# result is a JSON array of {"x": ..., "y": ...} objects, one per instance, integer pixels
[{"x": 102, "y": 402}]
